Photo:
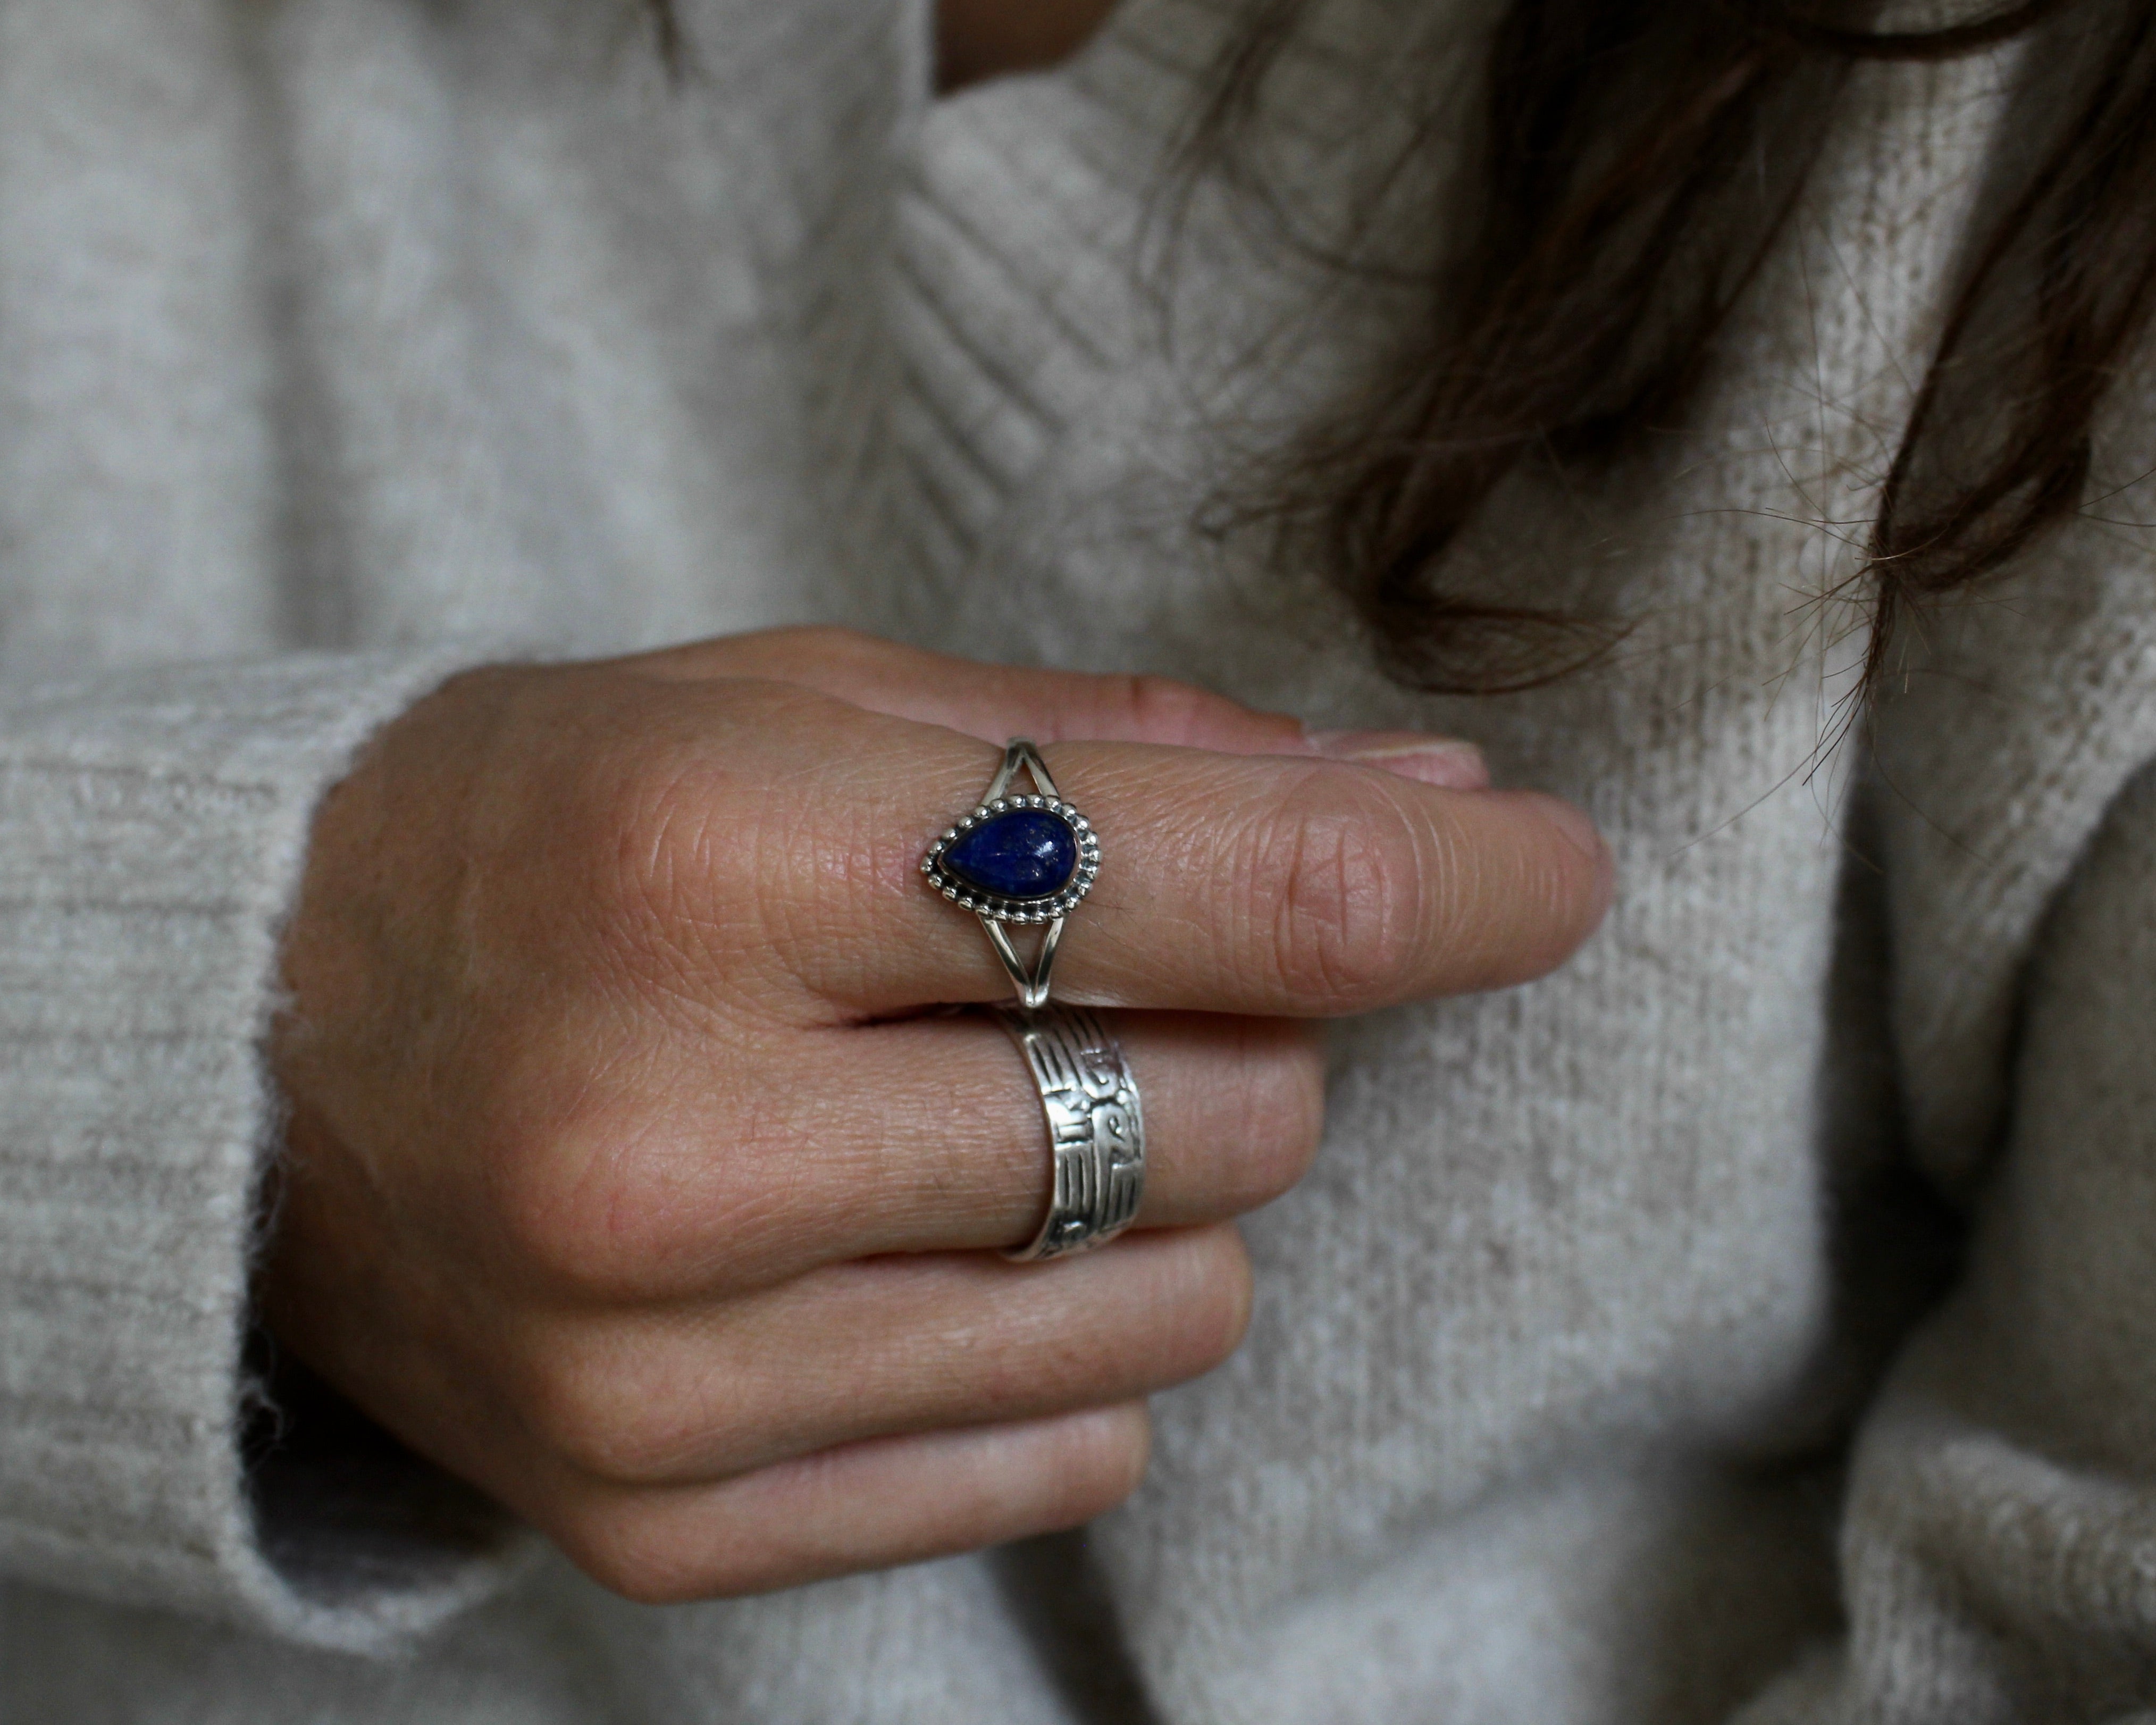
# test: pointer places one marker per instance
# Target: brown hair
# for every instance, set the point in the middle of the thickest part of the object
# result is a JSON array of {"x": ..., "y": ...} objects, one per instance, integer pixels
[{"x": 1620, "y": 215}]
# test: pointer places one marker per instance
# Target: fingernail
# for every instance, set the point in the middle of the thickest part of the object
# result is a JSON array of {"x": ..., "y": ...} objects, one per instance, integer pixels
[{"x": 1444, "y": 761}]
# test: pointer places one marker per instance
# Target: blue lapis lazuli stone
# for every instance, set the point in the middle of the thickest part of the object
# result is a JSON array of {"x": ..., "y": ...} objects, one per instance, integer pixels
[{"x": 1027, "y": 853}]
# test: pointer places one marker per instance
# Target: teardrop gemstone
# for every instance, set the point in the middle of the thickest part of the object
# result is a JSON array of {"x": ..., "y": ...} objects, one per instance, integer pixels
[{"x": 1025, "y": 853}]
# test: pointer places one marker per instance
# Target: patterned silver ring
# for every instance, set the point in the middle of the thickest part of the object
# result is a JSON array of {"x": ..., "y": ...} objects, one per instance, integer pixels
[
  {"x": 1026, "y": 860},
  {"x": 1095, "y": 1128}
]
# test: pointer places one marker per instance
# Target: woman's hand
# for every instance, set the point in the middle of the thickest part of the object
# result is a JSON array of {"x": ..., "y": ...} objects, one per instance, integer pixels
[{"x": 631, "y": 1178}]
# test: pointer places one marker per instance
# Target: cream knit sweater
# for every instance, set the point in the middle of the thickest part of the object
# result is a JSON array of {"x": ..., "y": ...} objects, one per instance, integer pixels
[{"x": 1614, "y": 1365}]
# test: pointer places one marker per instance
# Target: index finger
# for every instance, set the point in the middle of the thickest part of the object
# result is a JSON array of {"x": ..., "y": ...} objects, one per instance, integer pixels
[
  {"x": 1248, "y": 883},
  {"x": 993, "y": 701}
]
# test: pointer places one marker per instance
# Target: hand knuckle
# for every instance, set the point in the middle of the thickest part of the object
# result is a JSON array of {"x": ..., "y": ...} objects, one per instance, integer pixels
[
  {"x": 589, "y": 1400},
  {"x": 1333, "y": 897},
  {"x": 1276, "y": 1091},
  {"x": 1216, "y": 1312},
  {"x": 630, "y": 1548},
  {"x": 1059, "y": 1373},
  {"x": 656, "y": 836},
  {"x": 706, "y": 861},
  {"x": 1125, "y": 1464},
  {"x": 1163, "y": 709},
  {"x": 1101, "y": 1469},
  {"x": 539, "y": 1215},
  {"x": 614, "y": 1199},
  {"x": 568, "y": 1404},
  {"x": 1199, "y": 1288},
  {"x": 576, "y": 1205}
]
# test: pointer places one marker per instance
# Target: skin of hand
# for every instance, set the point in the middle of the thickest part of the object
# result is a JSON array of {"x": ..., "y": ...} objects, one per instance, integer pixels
[{"x": 633, "y": 1175}]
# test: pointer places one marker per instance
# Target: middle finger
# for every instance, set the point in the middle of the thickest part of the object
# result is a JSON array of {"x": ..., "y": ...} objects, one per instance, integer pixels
[{"x": 922, "y": 1136}]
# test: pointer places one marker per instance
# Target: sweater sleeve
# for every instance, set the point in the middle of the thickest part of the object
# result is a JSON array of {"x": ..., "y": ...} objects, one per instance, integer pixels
[
  {"x": 152, "y": 829},
  {"x": 1998, "y": 1546}
]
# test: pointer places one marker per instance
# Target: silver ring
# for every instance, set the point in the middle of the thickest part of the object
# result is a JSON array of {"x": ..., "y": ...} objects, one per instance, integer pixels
[
  {"x": 1018, "y": 859},
  {"x": 1096, "y": 1129}
]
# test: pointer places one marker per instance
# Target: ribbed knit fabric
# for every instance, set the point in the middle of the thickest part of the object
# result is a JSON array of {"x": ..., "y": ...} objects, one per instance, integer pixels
[
  {"x": 1616, "y": 1364},
  {"x": 155, "y": 826}
]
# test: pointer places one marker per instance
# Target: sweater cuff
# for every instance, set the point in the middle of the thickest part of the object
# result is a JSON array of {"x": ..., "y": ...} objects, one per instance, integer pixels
[{"x": 153, "y": 827}]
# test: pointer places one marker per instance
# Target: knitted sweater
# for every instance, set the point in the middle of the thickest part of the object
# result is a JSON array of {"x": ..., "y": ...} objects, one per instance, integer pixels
[{"x": 1751, "y": 1322}]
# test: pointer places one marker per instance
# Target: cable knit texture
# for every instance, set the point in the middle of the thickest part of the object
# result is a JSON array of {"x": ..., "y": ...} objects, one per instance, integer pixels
[{"x": 1750, "y": 1322}]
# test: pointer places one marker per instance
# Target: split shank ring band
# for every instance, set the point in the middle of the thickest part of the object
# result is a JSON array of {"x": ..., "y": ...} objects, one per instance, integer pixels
[
  {"x": 1018, "y": 859},
  {"x": 1095, "y": 1128}
]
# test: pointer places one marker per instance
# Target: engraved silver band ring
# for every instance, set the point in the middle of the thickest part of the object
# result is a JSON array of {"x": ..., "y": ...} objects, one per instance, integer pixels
[
  {"x": 1018, "y": 859},
  {"x": 1095, "y": 1128}
]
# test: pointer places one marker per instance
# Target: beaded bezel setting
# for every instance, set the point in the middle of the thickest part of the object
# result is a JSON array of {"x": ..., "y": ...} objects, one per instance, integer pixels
[{"x": 1044, "y": 909}]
